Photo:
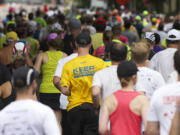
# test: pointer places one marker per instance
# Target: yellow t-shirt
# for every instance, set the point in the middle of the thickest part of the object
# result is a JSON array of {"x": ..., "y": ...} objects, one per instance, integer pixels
[
  {"x": 107, "y": 63},
  {"x": 97, "y": 40},
  {"x": 77, "y": 76}
]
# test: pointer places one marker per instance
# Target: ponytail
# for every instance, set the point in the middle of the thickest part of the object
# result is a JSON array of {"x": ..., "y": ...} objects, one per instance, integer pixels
[{"x": 125, "y": 81}]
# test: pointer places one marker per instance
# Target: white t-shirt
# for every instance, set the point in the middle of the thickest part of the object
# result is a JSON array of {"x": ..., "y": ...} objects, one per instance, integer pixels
[
  {"x": 163, "y": 106},
  {"x": 150, "y": 79},
  {"x": 108, "y": 81},
  {"x": 63, "y": 99},
  {"x": 173, "y": 77},
  {"x": 163, "y": 62},
  {"x": 28, "y": 117}
]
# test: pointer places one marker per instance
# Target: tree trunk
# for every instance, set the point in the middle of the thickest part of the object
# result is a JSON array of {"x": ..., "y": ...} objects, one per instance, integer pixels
[
  {"x": 177, "y": 6},
  {"x": 170, "y": 7}
]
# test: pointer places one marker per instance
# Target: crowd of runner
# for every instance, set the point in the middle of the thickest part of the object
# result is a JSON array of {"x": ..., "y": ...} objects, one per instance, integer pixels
[{"x": 104, "y": 72}]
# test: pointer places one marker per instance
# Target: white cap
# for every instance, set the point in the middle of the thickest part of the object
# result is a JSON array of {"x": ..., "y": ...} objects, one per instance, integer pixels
[
  {"x": 57, "y": 27},
  {"x": 173, "y": 35},
  {"x": 20, "y": 47},
  {"x": 50, "y": 13},
  {"x": 150, "y": 36}
]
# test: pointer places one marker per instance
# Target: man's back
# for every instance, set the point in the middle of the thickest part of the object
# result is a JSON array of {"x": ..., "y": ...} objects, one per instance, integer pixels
[
  {"x": 108, "y": 81},
  {"x": 28, "y": 117},
  {"x": 150, "y": 79},
  {"x": 132, "y": 37},
  {"x": 77, "y": 75},
  {"x": 163, "y": 105},
  {"x": 163, "y": 62},
  {"x": 6, "y": 55}
]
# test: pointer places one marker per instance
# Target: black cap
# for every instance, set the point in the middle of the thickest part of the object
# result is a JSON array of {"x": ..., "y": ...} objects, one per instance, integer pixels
[
  {"x": 83, "y": 39},
  {"x": 23, "y": 76},
  {"x": 126, "y": 69}
]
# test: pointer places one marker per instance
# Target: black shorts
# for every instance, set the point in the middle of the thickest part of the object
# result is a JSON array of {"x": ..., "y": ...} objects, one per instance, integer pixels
[
  {"x": 50, "y": 99},
  {"x": 83, "y": 120}
]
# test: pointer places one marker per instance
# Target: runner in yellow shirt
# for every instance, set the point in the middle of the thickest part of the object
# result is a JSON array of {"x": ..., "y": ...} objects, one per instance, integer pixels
[{"x": 76, "y": 81}]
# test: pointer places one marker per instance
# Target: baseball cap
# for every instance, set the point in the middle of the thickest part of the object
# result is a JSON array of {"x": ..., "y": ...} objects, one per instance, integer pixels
[
  {"x": 19, "y": 48},
  {"x": 56, "y": 27},
  {"x": 83, "y": 39},
  {"x": 173, "y": 35},
  {"x": 124, "y": 39},
  {"x": 11, "y": 36},
  {"x": 99, "y": 51},
  {"x": 101, "y": 21},
  {"x": 138, "y": 18},
  {"x": 75, "y": 24},
  {"x": 145, "y": 12},
  {"x": 154, "y": 19},
  {"x": 150, "y": 36},
  {"x": 24, "y": 76},
  {"x": 127, "y": 69}
]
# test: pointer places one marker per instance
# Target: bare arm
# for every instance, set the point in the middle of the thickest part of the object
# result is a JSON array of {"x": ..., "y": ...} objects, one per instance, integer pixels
[
  {"x": 175, "y": 130},
  {"x": 152, "y": 128},
  {"x": 28, "y": 60},
  {"x": 5, "y": 89},
  {"x": 144, "y": 110},
  {"x": 38, "y": 62},
  {"x": 56, "y": 82},
  {"x": 96, "y": 94},
  {"x": 109, "y": 106},
  {"x": 65, "y": 91}
]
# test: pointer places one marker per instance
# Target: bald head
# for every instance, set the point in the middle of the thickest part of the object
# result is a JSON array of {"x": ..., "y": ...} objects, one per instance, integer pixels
[{"x": 118, "y": 52}]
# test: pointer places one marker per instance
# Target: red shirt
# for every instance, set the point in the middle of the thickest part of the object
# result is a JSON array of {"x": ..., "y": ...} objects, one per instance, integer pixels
[{"x": 123, "y": 120}]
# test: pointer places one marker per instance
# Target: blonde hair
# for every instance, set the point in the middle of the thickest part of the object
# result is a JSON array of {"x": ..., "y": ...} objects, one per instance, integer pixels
[{"x": 140, "y": 52}]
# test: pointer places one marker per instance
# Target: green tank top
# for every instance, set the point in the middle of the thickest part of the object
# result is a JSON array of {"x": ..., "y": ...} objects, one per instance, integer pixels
[{"x": 48, "y": 71}]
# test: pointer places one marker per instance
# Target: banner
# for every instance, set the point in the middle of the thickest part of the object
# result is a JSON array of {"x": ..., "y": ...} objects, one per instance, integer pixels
[{"x": 122, "y": 2}]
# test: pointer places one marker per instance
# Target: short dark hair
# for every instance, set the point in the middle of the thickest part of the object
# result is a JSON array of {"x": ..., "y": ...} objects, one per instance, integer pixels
[
  {"x": 83, "y": 40},
  {"x": 127, "y": 24},
  {"x": 31, "y": 16},
  {"x": 161, "y": 26},
  {"x": 118, "y": 52},
  {"x": 100, "y": 27},
  {"x": 176, "y": 25},
  {"x": 172, "y": 41},
  {"x": 157, "y": 38},
  {"x": 177, "y": 61},
  {"x": 107, "y": 36},
  {"x": 116, "y": 30}
]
